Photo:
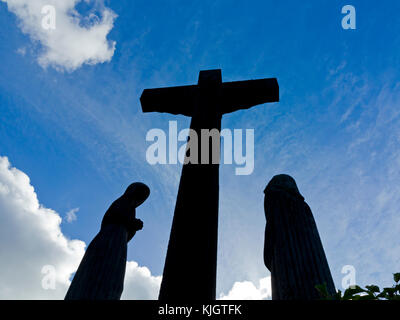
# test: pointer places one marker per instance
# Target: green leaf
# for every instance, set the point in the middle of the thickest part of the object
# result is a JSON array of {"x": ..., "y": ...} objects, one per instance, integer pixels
[
  {"x": 396, "y": 277},
  {"x": 372, "y": 288},
  {"x": 381, "y": 295},
  {"x": 351, "y": 291},
  {"x": 389, "y": 292}
]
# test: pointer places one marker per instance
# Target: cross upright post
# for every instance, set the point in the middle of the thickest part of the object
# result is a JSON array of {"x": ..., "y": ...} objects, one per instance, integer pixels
[{"x": 190, "y": 268}]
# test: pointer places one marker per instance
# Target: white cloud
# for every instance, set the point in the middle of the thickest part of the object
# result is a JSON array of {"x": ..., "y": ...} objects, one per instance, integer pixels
[
  {"x": 31, "y": 239},
  {"x": 71, "y": 215},
  {"x": 139, "y": 283},
  {"x": 76, "y": 39},
  {"x": 246, "y": 290}
]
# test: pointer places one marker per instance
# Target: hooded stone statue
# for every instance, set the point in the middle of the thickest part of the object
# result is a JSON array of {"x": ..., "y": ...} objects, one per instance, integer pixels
[
  {"x": 293, "y": 251},
  {"x": 101, "y": 273}
]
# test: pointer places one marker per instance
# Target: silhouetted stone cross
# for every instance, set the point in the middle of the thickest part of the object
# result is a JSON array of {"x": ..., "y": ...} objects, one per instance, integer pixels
[{"x": 191, "y": 263}]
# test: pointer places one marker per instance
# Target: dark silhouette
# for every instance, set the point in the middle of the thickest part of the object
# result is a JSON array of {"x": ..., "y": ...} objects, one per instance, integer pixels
[
  {"x": 191, "y": 262},
  {"x": 293, "y": 250},
  {"x": 101, "y": 273}
]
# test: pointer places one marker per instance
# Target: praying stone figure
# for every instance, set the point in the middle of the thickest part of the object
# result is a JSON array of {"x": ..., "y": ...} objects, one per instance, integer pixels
[
  {"x": 101, "y": 273},
  {"x": 293, "y": 250}
]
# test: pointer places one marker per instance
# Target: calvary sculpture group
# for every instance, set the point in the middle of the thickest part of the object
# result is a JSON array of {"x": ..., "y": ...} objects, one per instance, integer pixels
[{"x": 293, "y": 251}]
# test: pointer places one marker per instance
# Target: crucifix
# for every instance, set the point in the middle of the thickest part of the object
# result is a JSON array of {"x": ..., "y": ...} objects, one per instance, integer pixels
[{"x": 190, "y": 269}]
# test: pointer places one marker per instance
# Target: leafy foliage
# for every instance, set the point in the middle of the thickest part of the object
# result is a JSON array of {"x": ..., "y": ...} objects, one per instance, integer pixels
[{"x": 371, "y": 292}]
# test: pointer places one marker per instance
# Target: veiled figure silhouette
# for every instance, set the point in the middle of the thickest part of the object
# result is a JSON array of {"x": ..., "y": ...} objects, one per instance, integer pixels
[
  {"x": 101, "y": 273},
  {"x": 293, "y": 250}
]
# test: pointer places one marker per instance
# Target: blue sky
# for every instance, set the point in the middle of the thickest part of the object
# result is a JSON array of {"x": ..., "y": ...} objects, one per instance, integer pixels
[{"x": 79, "y": 134}]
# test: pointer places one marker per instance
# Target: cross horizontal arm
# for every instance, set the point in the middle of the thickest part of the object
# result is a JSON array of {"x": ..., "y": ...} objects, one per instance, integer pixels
[
  {"x": 246, "y": 94},
  {"x": 235, "y": 96},
  {"x": 175, "y": 100}
]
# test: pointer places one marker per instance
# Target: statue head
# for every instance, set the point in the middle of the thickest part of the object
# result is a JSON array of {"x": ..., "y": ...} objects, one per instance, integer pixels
[
  {"x": 123, "y": 210},
  {"x": 283, "y": 182}
]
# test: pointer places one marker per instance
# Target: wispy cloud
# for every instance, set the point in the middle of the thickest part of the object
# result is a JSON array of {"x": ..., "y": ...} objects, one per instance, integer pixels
[
  {"x": 70, "y": 216},
  {"x": 347, "y": 168}
]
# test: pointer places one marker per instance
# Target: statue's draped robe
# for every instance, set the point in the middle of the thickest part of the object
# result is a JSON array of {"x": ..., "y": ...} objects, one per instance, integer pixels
[
  {"x": 100, "y": 275},
  {"x": 293, "y": 250}
]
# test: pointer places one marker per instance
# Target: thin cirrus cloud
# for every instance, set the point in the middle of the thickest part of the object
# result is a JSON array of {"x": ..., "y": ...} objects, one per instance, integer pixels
[{"x": 76, "y": 39}]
